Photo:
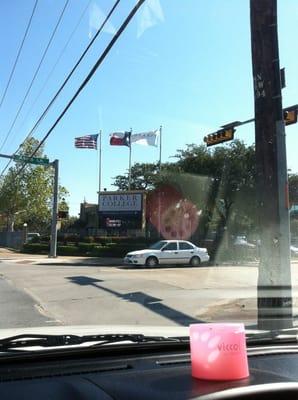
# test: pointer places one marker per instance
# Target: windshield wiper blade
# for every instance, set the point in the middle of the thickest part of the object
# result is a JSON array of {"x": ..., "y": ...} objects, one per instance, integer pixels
[
  {"x": 36, "y": 340},
  {"x": 273, "y": 337}
]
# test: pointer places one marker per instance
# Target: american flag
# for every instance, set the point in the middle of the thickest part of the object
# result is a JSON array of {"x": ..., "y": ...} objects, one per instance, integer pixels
[{"x": 86, "y": 142}]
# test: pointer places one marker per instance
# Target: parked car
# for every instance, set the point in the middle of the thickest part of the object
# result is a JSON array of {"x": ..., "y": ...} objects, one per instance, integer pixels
[
  {"x": 168, "y": 252},
  {"x": 294, "y": 251},
  {"x": 242, "y": 241},
  {"x": 32, "y": 235}
]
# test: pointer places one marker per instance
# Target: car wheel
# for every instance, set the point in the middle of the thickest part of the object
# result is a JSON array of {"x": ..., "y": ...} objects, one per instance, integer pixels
[
  {"x": 195, "y": 261},
  {"x": 151, "y": 262}
]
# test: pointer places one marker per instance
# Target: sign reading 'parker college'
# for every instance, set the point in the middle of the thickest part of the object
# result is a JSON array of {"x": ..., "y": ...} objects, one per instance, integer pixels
[{"x": 129, "y": 202}]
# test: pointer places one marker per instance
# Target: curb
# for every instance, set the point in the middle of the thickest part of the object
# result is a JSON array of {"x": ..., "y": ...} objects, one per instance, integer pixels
[{"x": 61, "y": 262}]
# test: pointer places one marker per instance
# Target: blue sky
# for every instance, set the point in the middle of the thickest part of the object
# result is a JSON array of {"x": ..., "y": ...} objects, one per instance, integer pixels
[{"x": 185, "y": 65}]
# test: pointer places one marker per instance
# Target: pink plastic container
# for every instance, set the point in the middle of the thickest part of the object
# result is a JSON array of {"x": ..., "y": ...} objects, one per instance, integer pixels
[{"x": 218, "y": 351}]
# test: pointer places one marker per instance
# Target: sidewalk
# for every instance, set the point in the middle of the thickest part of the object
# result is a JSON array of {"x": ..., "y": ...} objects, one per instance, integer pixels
[{"x": 12, "y": 256}]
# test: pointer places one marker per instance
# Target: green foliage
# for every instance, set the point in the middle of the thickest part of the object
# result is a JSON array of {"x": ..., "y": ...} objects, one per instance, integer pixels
[
  {"x": 88, "y": 239},
  {"x": 86, "y": 249},
  {"x": 69, "y": 250},
  {"x": 36, "y": 248},
  {"x": 70, "y": 224},
  {"x": 143, "y": 177},
  {"x": 293, "y": 188},
  {"x": 294, "y": 227},
  {"x": 26, "y": 197},
  {"x": 220, "y": 181}
]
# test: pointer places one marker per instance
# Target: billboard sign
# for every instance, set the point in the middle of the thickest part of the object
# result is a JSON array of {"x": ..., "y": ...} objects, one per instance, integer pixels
[
  {"x": 117, "y": 202},
  {"x": 113, "y": 222},
  {"x": 121, "y": 209}
]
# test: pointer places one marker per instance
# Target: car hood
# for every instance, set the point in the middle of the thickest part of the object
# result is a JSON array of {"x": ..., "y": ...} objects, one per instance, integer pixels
[
  {"x": 145, "y": 251},
  {"x": 98, "y": 329}
]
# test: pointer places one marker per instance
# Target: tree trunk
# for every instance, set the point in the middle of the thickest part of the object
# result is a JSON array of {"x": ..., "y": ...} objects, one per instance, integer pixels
[
  {"x": 220, "y": 230},
  {"x": 10, "y": 223}
]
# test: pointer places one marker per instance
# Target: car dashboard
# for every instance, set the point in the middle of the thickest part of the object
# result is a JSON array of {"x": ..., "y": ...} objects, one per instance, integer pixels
[{"x": 143, "y": 372}]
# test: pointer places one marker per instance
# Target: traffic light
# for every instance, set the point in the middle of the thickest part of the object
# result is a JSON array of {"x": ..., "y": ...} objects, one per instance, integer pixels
[
  {"x": 223, "y": 135},
  {"x": 290, "y": 115}
]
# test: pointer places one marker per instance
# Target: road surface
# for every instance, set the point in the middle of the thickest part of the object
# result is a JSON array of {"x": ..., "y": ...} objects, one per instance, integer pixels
[
  {"x": 36, "y": 295},
  {"x": 18, "y": 309}
]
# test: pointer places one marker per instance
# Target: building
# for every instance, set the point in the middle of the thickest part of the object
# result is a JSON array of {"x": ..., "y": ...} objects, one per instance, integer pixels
[
  {"x": 117, "y": 214},
  {"x": 89, "y": 218}
]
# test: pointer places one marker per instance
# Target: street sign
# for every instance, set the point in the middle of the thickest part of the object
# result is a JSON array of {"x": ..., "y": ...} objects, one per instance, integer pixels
[{"x": 33, "y": 160}]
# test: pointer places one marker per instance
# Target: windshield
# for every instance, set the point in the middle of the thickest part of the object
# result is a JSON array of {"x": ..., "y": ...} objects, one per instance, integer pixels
[
  {"x": 131, "y": 124},
  {"x": 158, "y": 245}
]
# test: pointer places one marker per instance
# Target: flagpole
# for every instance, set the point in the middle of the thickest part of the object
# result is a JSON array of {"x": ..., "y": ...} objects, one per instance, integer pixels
[
  {"x": 129, "y": 163},
  {"x": 159, "y": 193},
  {"x": 160, "y": 132},
  {"x": 99, "y": 164}
]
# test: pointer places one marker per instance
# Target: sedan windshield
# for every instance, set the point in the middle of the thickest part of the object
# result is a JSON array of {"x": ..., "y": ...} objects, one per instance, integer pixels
[
  {"x": 144, "y": 176},
  {"x": 158, "y": 245}
]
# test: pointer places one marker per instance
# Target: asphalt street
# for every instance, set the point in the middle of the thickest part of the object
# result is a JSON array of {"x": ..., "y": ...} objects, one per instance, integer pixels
[
  {"x": 18, "y": 309},
  {"x": 37, "y": 295}
]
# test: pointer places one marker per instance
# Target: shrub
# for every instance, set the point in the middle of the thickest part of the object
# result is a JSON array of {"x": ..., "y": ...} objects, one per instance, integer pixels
[
  {"x": 85, "y": 247},
  {"x": 36, "y": 248},
  {"x": 97, "y": 239},
  {"x": 87, "y": 239},
  {"x": 68, "y": 251},
  {"x": 72, "y": 237},
  {"x": 35, "y": 239},
  {"x": 45, "y": 238}
]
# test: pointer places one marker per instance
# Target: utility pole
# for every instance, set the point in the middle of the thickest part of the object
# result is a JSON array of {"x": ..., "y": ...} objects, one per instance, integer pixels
[
  {"x": 53, "y": 246},
  {"x": 274, "y": 279}
]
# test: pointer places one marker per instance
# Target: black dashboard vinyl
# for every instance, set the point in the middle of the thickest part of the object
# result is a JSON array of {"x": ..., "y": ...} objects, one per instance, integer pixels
[{"x": 147, "y": 376}]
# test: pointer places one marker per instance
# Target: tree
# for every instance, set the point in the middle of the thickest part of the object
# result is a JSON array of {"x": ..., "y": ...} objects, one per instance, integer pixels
[
  {"x": 230, "y": 171},
  {"x": 71, "y": 224},
  {"x": 143, "y": 177},
  {"x": 219, "y": 182},
  {"x": 293, "y": 189},
  {"x": 12, "y": 199},
  {"x": 27, "y": 196}
]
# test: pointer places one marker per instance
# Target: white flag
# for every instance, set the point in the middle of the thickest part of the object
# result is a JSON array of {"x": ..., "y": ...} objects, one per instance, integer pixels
[
  {"x": 96, "y": 18},
  {"x": 145, "y": 138},
  {"x": 150, "y": 15}
]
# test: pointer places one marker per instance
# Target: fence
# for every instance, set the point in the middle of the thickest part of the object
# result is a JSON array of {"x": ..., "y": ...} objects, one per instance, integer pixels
[{"x": 13, "y": 240}]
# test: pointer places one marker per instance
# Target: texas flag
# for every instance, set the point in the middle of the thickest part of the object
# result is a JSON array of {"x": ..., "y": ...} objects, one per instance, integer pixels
[{"x": 120, "y": 139}]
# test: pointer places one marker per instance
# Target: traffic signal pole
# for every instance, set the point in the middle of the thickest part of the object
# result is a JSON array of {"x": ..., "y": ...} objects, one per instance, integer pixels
[
  {"x": 274, "y": 278},
  {"x": 53, "y": 245}
]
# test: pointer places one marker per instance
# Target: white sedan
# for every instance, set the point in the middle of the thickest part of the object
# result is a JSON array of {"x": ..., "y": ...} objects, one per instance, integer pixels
[
  {"x": 168, "y": 252},
  {"x": 294, "y": 251}
]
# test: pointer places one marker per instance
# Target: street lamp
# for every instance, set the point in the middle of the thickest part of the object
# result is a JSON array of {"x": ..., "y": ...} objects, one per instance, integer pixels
[{"x": 25, "y": 232}]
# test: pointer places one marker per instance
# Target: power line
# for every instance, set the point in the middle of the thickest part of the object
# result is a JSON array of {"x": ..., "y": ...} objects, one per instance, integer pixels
[
  {"x": 18, "y": 54},
  {"x": 65, "y": 81},
  {"x": 73, "y": 69},
  {"x": 56, "y": 63},
  {"x": 89, "y": 76},
  {"x": 35, "y": 74}
]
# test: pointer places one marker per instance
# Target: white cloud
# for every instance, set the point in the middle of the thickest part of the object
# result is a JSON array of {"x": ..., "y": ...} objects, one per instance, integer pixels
[
  {"x": 96, "y": 18},
  {"x": 149, "y": 16}
]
